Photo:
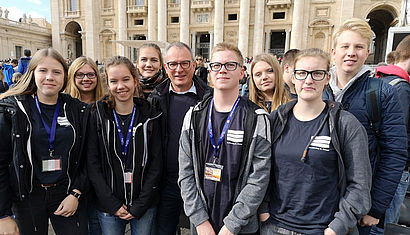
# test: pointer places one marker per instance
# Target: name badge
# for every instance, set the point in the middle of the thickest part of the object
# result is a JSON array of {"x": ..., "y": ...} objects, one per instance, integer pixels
[
  {"x": 51, "y": 165},
  {"x": 128, "y": 177},
  {"x": 213, "y": 172}
]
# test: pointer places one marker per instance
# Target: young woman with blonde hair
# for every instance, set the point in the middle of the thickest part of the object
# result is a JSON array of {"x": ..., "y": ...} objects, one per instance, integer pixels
[
  {"x": 84, "y": 80},
  {"x": 266, "y": 87}
]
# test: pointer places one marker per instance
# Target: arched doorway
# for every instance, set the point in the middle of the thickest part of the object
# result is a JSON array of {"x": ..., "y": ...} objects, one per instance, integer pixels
[
  {"x": 380, "y": 20},
  {"x": 72, "y": 42}
]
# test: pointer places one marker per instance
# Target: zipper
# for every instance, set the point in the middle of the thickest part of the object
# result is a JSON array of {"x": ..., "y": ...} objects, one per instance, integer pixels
[
  {"x": 28, "y": 142},
  {"x": 69, "y": 152},
  {"x": 134, "y": 130},
  {"x": 122, "y": 164}
]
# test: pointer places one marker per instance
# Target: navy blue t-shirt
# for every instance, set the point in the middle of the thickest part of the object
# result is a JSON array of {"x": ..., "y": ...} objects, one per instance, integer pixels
[
  {"x": 220, "y": 195},
  {"x": 305, "y": 195},
  {"x": 64, "y": 139}
]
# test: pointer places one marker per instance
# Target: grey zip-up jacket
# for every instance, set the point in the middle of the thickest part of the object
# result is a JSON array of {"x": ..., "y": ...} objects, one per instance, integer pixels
[{"x": 253, "y": 178}]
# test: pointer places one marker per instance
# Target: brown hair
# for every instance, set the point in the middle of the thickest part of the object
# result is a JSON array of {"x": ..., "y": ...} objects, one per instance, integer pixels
[
  {"x": 289, "y": 57},
  {"x": 27, "y": 85},
  {"x": 152, "y": 45},
  {"x": 357, "y": 25},
  {"x": 72, "y": 88},
  {"x": 403, "y": 50},
  {"x": 280, "y": 96},
  {"x": 391, "y": 57},
  {"x": 314, "y": 52},
  {"x": 228, "y": 47},
  {"x": 119, "y": 60}
]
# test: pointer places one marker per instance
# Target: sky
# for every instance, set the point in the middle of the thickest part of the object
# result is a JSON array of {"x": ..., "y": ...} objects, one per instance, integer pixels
[{"x": 35, "y": 8}]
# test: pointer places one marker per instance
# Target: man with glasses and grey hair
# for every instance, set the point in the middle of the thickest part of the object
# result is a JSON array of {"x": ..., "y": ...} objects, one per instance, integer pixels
[
  {"x": 224, "y": 153},
  {"x": 173, "y": 97}
]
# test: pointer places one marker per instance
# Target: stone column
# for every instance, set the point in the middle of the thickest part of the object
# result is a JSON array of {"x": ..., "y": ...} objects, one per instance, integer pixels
[
  {"x": 184, "y": 25},
  {"x": 218, "y": 22},
  {"x": 297, "y": 24},
  {"x": 193, "y": 43},
  {"x": 267, "y": 41},
  {"x": 211, "y": 42},
  {"x": 55, "y": 25},
  {"x": 63, "y": 49},
  {"x": 122, "y": 25},
  {"x": 346, "y": 10},
  {"x": 287, "y": 40},
  {"x": 258, "y": 27},
  {"x": 243, "y": 37},
  {"x": 90, "y": 31},
  {"x": 152, "y": 22},
  {"x": 162, "y": 20}
]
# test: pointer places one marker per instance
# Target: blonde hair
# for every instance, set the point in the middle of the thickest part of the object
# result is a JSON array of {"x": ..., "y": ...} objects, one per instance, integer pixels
[
  {"x": 314, "y": 52},
  {"x": 121, "y": 60},
  {"x": 280, "y": 96},
  {"x": 27, "y": 84},
  {"x": 228, "y": 47},
  {"x": 357, "y": 25},
  {"x": 72, "y": 88}
]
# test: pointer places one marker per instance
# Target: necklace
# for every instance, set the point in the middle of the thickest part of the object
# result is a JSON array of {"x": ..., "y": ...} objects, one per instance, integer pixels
[{"x": 126, "y": 119}]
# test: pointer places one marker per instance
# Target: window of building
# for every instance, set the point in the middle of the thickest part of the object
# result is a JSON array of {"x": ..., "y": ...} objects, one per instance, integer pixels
[
  {"x": 18, "y": 51},
  {"x": 202, "y": 18},
  {"x": 107, "y": 3},
  {"x": 139, "y": 2},
  {"x": 278, "y": 15},
  {"x": 232, "y": 17},
  {"x": 72, "y": 5},
  {"x": 139, "y": 22},
  {"x": 174, "y": 1},
  {"x": 174, "y": 19}
]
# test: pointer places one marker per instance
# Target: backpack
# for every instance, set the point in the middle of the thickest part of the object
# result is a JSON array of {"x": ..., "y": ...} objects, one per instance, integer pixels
[{"x": 373, "y": 101}]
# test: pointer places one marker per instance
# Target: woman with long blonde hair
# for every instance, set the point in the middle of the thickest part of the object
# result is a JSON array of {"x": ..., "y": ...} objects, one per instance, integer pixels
[
  {"x": 84, "y": 80},
  {"x": 266, "y": 85}
]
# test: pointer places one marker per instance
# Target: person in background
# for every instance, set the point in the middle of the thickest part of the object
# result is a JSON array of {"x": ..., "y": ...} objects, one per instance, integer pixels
[
  {"x": 388, "y": 144},
  {"x": 42, "y": 165},
  {"x": 200, "y": 70},
  {"x": 123, "y": 158},
  {"x": 24, "y": 62},
  {"x": 287, "y": 67},
  {"x": 14, "y": 63},
  {"x": 3, "y": 85},
  {"x": 266, "y": 87},
  {"x": 84, "y": 80},
  {"x": 224, "y": 153},
  {"x": 150, "y": 67},
  {"x": 16, "y": 78},
  {"x": 8, "y": 71},
  {"x": 397, "y": 75}
]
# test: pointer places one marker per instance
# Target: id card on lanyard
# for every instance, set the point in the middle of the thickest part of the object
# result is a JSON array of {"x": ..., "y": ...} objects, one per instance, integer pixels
[
  {"x": 213, "y": 171},
  {"x": 51, "y": 162},
  {"x": 125, "y": 143}
]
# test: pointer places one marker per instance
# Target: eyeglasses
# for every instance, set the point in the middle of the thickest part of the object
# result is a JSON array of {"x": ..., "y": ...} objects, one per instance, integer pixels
[
  {"x": 229, "y": 66},
  {"x": 172, "y": 65},
  {"x": 198, "y": 59},
  {"x": 82, "y": 75},
  {"x": 317, "y": 75}
]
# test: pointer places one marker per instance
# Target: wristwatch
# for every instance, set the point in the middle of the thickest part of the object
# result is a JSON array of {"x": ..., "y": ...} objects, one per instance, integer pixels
[{"x": 75, "y": 194}]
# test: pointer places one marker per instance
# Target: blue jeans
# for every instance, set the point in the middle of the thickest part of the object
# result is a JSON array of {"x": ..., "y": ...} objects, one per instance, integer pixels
[
  {"x": 94, "y": 227},
  {"x": 113, "y": 225},
  {"x": 393, "y": 212}
]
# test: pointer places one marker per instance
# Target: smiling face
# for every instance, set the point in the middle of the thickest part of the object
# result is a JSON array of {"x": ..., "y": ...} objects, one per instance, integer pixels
[
  {"x": 264, "y": 77},
  {"x": 224, "y": 79},
  {"x": 86, "y": 84},
  {"x": 181, "y": 78},
  {"x": 350, "y": 52},
  {"x": 309, "y": 89},
  {"x": 149, "y": 62},
  {"x": 121, "y": 84},
  {"x": 49, "y": 78}
]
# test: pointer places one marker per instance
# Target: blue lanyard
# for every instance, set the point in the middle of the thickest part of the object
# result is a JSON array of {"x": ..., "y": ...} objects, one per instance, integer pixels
[
  {"x": 50, "y": 133},
  {"x": 225, "y": 128},
  {"x": 124, "y": 144}
]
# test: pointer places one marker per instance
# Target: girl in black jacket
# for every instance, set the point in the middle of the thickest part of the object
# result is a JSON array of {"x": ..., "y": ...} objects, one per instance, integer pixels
[
  {"x": 124, "y": 154},
  {"x": 42, "y": 174}
]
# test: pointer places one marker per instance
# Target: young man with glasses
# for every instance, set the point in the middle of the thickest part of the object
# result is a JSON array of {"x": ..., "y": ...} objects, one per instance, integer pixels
[
  {"x": 224, "y": 153},
  {"x": 387, "y": 144},
  {"x": 173, "y": 97}
]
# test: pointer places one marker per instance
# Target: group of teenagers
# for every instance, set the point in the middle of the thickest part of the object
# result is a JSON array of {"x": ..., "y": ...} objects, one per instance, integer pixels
[{"x": 92, "y": 155}]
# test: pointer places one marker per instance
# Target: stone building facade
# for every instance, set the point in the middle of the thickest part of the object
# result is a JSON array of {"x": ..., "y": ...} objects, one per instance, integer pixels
[
  {"x": 27, "y": 33},
  {"x": 102, "y": 28}
]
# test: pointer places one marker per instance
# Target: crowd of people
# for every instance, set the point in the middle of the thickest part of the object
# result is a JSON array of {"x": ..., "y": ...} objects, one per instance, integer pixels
[{"x": 308, "y": 148}]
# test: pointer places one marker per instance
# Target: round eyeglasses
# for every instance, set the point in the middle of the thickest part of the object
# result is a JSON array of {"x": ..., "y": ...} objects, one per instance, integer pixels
[
  {"x": 317, "y": 75},
  {"x": 172, "y": 65},
  {"x": 229, "y": 66},
  {"x": 82, "y": 75}
]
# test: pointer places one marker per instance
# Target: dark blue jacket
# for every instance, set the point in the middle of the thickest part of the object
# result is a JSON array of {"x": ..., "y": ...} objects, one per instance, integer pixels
[
  {"x": 23, "y": 64},
  {"x": 388, "y": 150}
]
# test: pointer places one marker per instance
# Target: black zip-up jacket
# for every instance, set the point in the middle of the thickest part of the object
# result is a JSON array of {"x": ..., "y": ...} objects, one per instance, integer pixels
[
  {"x": 16, "y": 169},
  {"x": 106, "y": 169},
  {"x": 159, "y": 98}
]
